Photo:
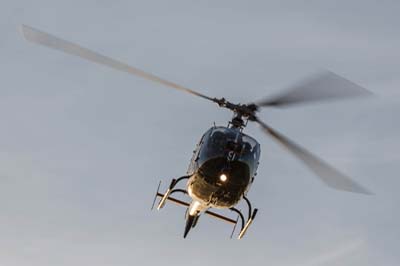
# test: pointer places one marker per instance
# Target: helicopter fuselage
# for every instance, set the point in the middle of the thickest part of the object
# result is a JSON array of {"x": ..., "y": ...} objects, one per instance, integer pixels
[{"x": 222, "y": 168}]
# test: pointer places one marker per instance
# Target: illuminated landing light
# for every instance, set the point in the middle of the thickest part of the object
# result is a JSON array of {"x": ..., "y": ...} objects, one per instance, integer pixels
[{"x": 223, "y": 177}]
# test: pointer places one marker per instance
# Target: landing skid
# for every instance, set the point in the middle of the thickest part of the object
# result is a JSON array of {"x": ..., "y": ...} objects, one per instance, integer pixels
[{"x": 192, "y": 221}]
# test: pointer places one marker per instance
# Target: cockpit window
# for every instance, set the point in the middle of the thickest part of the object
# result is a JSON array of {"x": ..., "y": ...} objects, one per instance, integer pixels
[{"x": 230, "y": 144}]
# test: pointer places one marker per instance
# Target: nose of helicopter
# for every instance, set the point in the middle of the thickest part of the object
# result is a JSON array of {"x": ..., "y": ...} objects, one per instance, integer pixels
[
  {"x": 192, "y": 216},
  {"x": 189, "y": 224}
]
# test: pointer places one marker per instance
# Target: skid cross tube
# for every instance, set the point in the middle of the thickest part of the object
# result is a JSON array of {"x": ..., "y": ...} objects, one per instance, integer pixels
[
  {"x": 181, "y": 178},
  {"x": 248, "y": 205},
  {"x": 178, "y": 190},
  {"x": 240, "y": 215}
]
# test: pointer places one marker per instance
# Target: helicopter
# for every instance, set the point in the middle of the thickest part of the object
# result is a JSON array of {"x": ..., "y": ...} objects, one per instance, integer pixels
[{"x": 225, "y": 161}]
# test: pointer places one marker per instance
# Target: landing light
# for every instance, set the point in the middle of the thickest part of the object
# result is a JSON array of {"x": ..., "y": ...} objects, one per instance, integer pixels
[{"x": 223, "y": 177}]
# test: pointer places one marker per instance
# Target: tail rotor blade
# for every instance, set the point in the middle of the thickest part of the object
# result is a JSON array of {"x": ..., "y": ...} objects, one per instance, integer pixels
[{"x": 329, "y": 175}]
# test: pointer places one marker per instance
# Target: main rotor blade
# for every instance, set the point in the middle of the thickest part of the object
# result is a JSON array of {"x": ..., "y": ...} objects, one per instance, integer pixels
[
  {"x": 329, "y": 175},
  {"x": 45, "y": 39},
  {"x": 321, "y": 87}
]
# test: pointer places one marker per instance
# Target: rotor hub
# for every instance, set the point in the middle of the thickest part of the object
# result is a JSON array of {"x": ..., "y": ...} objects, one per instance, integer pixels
[{"x": 246, "y": 111}]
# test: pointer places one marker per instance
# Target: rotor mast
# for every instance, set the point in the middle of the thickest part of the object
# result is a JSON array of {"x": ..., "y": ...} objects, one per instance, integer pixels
[{"x": 241, "y": 112}]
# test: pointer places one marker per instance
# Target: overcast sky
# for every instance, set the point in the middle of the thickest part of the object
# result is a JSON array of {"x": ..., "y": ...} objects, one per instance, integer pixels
[{"x": 82, "y": 147}]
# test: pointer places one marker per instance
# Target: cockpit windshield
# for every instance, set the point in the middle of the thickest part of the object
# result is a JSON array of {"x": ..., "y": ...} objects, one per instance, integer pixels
[{"x": 232, "y": 144}]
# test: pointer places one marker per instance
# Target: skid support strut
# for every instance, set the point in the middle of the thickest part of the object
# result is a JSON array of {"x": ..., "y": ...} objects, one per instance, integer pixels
[
  {"x": 170, "y": 190},
  {"x": 251, "y": 215}
]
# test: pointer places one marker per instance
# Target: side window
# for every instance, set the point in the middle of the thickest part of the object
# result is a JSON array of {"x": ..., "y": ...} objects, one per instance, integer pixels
[
  {"x": 197, "y": 150},
  {"x": 199, "y": 145}
]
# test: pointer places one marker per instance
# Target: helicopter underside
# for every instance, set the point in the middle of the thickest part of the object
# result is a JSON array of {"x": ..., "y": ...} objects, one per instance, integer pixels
[{"x": 219, "y": 183}]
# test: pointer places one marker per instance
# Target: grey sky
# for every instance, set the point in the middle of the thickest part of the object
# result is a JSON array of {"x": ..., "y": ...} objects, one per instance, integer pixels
[{"x": 80, "y": 159}]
